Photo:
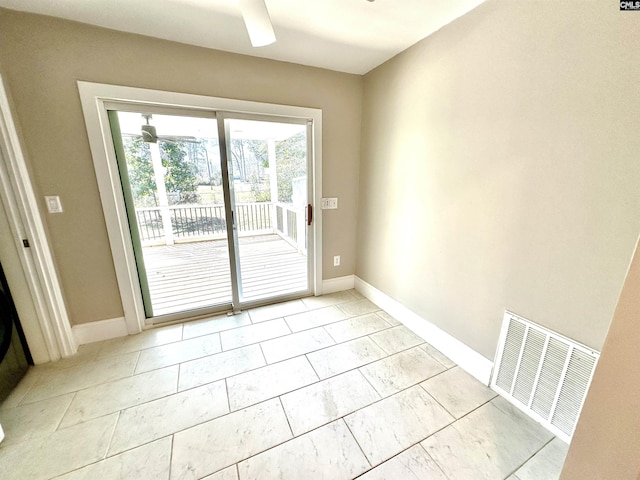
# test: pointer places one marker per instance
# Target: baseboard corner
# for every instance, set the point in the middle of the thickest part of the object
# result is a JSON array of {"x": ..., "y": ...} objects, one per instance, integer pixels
[
  {"x": 338, "y": 284},
  {"x": 101, "y": 330},
  {"x": 464, "y": 356}
]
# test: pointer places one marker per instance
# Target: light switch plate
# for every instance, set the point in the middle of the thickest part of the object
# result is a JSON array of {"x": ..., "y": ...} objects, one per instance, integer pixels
[
  {"x": 329, "y": 203},
  {"x": 53, "y": 204}
]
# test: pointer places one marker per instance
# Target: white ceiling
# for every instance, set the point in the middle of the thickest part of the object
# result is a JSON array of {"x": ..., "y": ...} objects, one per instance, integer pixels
[{"x": 352, "y": 36}]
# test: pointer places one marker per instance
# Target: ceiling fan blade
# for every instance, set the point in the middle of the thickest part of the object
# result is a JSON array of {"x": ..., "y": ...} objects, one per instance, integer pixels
[
  {"x": 177, "y": 138},
  {"x": 256, "y": 18}
]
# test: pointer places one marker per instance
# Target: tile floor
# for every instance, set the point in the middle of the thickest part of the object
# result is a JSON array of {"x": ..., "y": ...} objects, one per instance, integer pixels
[{"x": 320, "y": 388}]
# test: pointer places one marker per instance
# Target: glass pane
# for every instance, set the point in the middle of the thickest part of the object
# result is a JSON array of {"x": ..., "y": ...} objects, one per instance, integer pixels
[
  {"x": 173, "y": 166},
  {"x": 269, "y": 176}
]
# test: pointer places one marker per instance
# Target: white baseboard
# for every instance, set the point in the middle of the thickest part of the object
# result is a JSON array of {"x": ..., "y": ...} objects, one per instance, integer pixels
[
  {"x": 467, "y": 358},
  {"x": 338, "y": 284},
  {"x": 100, "y": 330}
]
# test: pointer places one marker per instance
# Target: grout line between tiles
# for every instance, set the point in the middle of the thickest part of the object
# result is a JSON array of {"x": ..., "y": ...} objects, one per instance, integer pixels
[
  {"x": 335, "y": 342},
  {"x": 514, "y": 472},
  {"x": 113, "y": 432},
  {"x": 293, "y": 435},
  {"x": 371, "y": 384},
  {"x": 357, "y": 442},
  {"x": 202, "y": 355},
  {"x": 66, "y": 411},
  {"x": 291, "y": 332},
  {"x": 441, "y": 405},
  {"x": 378, "y": 345},
  {"x": 226, "y": 391},
  {"x": 312, "y": 368},
  {"x": 373, "y": 467},
  {"x": 19, "y": 403},
  {"x": 263, "y": 356},
  {"x": 182, "y": 331},
  {"x": 434, "y": 460},
  {"x": 171, "y": 454},
  {"x": 261, "y": 340},
  {"x": 135, "y": 367}
]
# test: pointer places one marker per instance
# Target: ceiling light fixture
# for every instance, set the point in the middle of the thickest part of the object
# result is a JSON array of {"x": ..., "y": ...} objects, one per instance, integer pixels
[{"x": 258, "y": 23}]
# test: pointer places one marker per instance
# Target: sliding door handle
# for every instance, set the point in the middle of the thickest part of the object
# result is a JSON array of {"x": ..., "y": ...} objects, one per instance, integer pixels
[{"x": 309, "y": 214}]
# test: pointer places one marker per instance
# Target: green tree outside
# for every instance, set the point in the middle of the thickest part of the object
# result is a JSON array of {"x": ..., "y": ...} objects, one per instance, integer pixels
[
  {"x": 291, "y": 162},
  {"x": 180, "y": 178}
]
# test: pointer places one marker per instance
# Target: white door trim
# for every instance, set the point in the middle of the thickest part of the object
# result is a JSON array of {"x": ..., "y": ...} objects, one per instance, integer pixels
[
  {"x": 93, "y": 97},
  {"x": 21, "y": 208}
]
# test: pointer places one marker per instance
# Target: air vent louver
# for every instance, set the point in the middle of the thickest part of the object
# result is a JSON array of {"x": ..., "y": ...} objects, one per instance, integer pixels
[{"x": 543, "y": 373}]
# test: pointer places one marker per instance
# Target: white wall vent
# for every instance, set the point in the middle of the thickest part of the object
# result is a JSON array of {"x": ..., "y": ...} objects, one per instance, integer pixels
[{"x": 543, "y": 373}]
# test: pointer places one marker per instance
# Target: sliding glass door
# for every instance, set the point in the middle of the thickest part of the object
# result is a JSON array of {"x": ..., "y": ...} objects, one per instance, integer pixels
[
  {"x": 217, "y": 207},
  {"x": 270, "y": 163}
]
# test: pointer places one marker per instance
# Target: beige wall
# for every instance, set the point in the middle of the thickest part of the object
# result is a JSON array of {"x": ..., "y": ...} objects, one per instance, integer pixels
[
  {"x": 606, "y": 443},
  {"x": 500, "y": 169},
  {"x": 42, "y": 59}
]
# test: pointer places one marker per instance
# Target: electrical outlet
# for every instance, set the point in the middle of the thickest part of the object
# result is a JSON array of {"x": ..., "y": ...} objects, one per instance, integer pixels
[
  {"x": 336, "y": 261},
  {"x": 329, "y": 203},
  {"x": 53, "y": 204}
]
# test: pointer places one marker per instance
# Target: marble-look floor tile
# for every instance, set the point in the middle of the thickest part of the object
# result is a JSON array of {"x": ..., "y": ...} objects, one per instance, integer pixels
[
  {"x": 412, "y": 464},
  {"x": 314, "y": 318},
  {"x": 59, "y": 382},
  {"x": 218, "y": 366},
  {"x": 488, "y": 443},
  {"x": 148, "y": 462},
  {"x": 86, "y": 353},
  {"x": 457, "y": 391},
  {"x": 397, "y": 422},
  {"x": 17, "y": 395},
  {"x": 358, "y": 307},
  {"x": 388, "y": 318},
  {"x": 120, "y": 394},
  {"x": 216, "y": 324},
  {"x": 296, "y": 344},
  {"x": 356, "y": 327},
  {"x": 229, "y": 473},
  {"x": 399, "y": 371},
  {"x": 165, "y": 416},
  {"x": 356, "y": 294},
  {"x": 146, "y": 339},
  {"x": 268, "y": 382},
  {"x": 516, "y": 414},
  {"x": 278, "y": 310},
  {"x": 438, "y": 355},
  {"x": 396, "y": 339},
  {"x": 326, "y": 401},
  {"x": 328, "y": 300},
  {"x": 61, "y": 452},
  {"x": 27, "y": 422},
  {"x": 239, "y": 337},
  {"x": 546, "y": 464},
  {"x": 174, "y": 353},
  {"x": 211, "y": 446},
  {"x": 345, "y": 356},
  {"x": 330, "y": 452}
]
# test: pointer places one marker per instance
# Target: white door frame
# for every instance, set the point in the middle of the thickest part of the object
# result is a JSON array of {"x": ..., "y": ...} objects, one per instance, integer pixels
[
  {"x": 94, "y": 97},
  {"x": 52, "y": 337}
]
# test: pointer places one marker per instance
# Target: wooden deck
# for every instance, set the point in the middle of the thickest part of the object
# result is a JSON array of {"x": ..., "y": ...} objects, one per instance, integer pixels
[{"x": 186, "y": 276}]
